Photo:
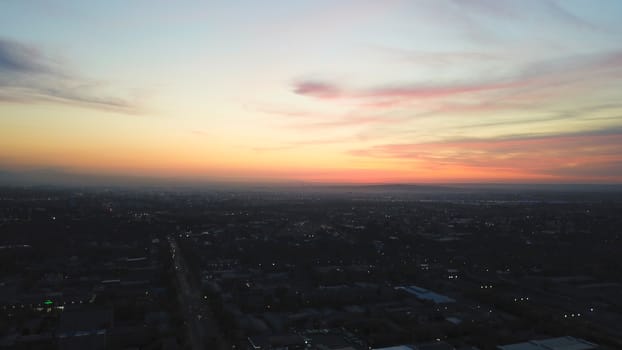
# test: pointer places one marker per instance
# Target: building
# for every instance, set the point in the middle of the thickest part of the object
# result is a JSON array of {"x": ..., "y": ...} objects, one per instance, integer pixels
[{"x": 561, "y": 343}]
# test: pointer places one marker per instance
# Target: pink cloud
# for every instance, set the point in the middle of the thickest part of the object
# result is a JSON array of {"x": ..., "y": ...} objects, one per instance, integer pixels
[
  {"x": 317, "y": 89},
  {"x": 324, "y": 90},
  {"x": 547, "y": 77},
  {"x": 593, "y": 153}
]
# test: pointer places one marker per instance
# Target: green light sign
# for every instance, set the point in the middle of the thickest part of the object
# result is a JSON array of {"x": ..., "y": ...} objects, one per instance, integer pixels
[{"x": 48, "y": 302}]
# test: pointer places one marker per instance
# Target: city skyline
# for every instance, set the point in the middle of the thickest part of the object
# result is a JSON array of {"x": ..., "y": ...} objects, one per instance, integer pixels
[{"x": 322, "y": 91}]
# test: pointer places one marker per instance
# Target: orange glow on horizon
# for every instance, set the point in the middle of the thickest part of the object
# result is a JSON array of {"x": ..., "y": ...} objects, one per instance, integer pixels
[{"x": 396, "y": 91}]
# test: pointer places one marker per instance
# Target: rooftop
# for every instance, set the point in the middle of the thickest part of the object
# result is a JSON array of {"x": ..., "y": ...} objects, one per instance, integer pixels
[{"x": 560, "y": 343}]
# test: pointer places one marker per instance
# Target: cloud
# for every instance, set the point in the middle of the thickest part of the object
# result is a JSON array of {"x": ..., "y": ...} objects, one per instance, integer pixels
[
  {"x": 497, "y": 8},
  {"x": 446, "y": 58},
  {"x": 29, "y": 76},
  {"x": 579, "y": 154},
  {"x": 542, "y": 87},
  {"x": 511, "y": 10},
  {"x": 550, "y": 75},
  {"x": 326, "y": 90},
  {"x": 559, "y": 12},
  {"x": 317, "y": 89},
  {"x": 18, "y": 58},
  {"x": 590, "y": 140},
  {"x": 585, "y": 113},
  {"x": 596, "y": 168},
  {"x": 430, "y": 91}
]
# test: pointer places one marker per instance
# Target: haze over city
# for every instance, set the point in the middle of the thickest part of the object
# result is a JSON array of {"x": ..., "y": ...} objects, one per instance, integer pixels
[{"x": 313, "y": 91}]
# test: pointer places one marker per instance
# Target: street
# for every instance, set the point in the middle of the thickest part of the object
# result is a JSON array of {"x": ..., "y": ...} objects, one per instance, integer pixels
[{"x": 202, "y": 328}]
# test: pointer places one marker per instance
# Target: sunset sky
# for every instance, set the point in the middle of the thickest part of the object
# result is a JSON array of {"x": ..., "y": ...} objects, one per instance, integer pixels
[{"x": 319, "y": 91}]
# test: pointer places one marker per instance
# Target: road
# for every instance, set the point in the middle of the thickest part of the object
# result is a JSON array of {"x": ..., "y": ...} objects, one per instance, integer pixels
[{"x": 203, "y": 330}]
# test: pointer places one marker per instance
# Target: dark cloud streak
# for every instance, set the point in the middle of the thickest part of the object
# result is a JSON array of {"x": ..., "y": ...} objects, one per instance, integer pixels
[
  {"x": 15, "y": 57},
  {"x": 28, "y": 76}
]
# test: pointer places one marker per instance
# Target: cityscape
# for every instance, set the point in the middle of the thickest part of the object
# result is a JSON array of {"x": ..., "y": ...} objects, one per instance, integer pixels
[
  {"x": 311, "y": 175},
  {"x": 361, "y": 267}
]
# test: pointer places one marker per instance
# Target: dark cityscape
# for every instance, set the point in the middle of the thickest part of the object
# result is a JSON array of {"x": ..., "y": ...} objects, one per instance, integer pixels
[{"x": 360, "y": 267}]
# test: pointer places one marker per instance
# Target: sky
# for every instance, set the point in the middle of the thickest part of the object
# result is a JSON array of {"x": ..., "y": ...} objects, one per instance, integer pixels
[{"x": 322, "y": 91}]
